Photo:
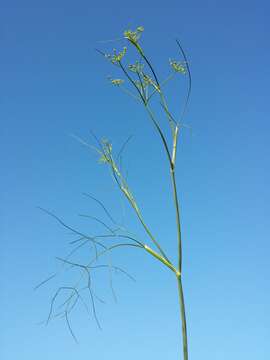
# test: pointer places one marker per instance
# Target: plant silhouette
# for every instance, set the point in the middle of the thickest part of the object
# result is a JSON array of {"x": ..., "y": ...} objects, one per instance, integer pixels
[{"x": 140, "y": 81}]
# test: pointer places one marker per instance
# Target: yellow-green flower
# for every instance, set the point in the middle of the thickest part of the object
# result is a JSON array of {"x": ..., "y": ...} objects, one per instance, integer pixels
[
  {"x": 117, "y": 82},
  {"x": 117, "y": 56},
  {"x": 106, "y": 151},
  {"x": 134, "y": 36},
  {"x": 178, "y": 66}
]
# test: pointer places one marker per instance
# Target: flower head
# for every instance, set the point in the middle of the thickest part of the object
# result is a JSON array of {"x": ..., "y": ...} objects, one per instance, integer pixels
[
  {"x": 178, "y": 66},
  {"x": 117, "y": 56},
  {"x": 134, "y": 36},
  {"x": 117, "y": 82},
  {"x": 106, "y": 151}
]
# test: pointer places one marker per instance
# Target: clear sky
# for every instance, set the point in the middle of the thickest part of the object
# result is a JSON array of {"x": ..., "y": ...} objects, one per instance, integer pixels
[{"x": 53, "y": 84}]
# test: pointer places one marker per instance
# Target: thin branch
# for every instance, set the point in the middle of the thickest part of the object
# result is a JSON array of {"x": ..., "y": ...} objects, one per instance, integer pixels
[
  {"x": 117, "y": 268},
  {"x": 92, "y": 298},
  {"x": 60, "y": 289},
  {"x": 70, "y": 228},
  {"x": 116, "y": 246},
  {"x": 129, "y": 93},
  {"x": 45, "y": 281},
  {"x": 162, "y": 84},
  {"x": 123, "y": 147},
  {"x": 81, "y": 141},
  {"x": 77, "y": 248},
  {"x": 189, "y": 80},
  {"x": 132, "y": 81},
  {"x": 164, "y": 142},
  {"x": 99, "y": 221},
  {"x": 69, "y": 327},
  {"x": 145, "y": 59},
  {"x": 102, "y": 206}
]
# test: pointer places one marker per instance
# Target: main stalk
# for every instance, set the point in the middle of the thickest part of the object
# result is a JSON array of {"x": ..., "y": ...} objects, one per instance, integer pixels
[
  {"x": 183, "y": 317},
  {"x": 179, "y": 275}
]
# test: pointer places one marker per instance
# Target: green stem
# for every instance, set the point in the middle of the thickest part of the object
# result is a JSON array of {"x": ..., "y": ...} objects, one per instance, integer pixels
[
  {"x": 183, "y": 317},
  {"x": 152, "y": 117},
  {"x": 152, "y": 237},
  {"x": 162, "y": 259},
  {"x": 146, "y": 60},
  {"x": 124, "y": 188},
  {"x": 179, "y": 277},
  {"x": 178, "y": 224}
]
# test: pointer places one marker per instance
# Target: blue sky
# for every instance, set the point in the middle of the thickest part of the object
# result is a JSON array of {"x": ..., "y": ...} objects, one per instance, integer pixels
[{"x": 53, "y": 84}]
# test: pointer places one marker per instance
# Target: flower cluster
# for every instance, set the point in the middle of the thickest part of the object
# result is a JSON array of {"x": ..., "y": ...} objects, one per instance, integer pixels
[
  {"x": 134, "y": 36},
  {"x": 117, "y": 56},
  {"x": 117, "y": 82},
  {"x": 178, "y": 66},
  {"x": 106, "y": 151}
]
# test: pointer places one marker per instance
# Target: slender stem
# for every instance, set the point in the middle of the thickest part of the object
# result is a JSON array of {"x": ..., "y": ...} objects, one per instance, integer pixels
[
  {"x": 124, "y": 188},
  {"x": 132, "y": 81},
  {"x": 142, "y": 87},
  {"x": 189, "y": 80},
  {"x": 146, "y": 60},
  {"x": 164, "y": 142},
  {"x": 151, "y": 236},
  {"x": 172, "y": 160},
  {"x": 162, "y": 259},
  {"x": 165, "y": 107},
  {"x": 179, "y": 277},
  {"x": 174, "y": 149},
  {"x": 178, "y": 224},
  {"x": 183, "y": 317}
]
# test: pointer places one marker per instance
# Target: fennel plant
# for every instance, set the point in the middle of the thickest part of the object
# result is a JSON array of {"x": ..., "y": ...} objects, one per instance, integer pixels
[{"x": 140, "y": 81}]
